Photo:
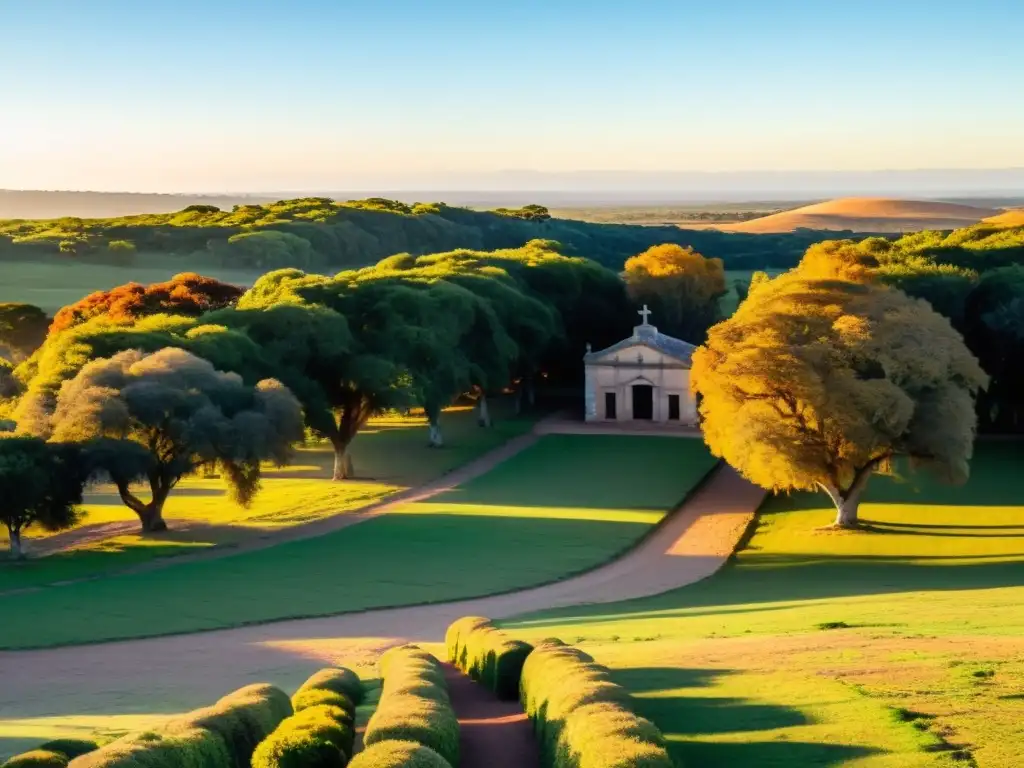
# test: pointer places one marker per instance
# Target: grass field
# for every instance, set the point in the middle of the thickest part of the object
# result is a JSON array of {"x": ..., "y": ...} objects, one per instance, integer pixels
[
  {"x": 559, "y": 507},
  {"x": 391, "y": 454},
  {"x": 902, "y": 646},
  {"x": 54, "y": 282}
]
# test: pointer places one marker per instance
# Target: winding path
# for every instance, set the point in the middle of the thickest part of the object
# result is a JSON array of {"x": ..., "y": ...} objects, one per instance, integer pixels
[{"x": 182, "y": 671}]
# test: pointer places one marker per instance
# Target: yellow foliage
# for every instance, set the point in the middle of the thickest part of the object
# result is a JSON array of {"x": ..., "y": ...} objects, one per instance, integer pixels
[{"x": 817, "y": 381}]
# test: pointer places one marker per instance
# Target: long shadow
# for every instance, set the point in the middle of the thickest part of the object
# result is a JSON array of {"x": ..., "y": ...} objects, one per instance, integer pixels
[{"x": 680, "y": 717}]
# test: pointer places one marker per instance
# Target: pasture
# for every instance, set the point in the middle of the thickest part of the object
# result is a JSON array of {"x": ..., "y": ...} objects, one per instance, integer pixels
[
  {"x": 564, "y": 505},
  {"x": 54, "y": 282},
  {"x": 390, "y": 455},
  {"x": 899, "y": 646}
]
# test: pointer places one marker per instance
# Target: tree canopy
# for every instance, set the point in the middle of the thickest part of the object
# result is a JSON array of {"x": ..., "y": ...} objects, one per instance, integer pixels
[
  {"x": 816, "y": 382},
  {"x": 22, "y": 330},
  {"x": 160, "y": 416},
  {"x": 40, "y": 485},
  {"x": 184, "y": 294},
  {"x": 681, "y": 287}
]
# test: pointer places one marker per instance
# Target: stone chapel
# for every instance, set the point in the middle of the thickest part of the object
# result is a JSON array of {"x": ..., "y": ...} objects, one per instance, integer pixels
[{"x": 643, "y": 378}]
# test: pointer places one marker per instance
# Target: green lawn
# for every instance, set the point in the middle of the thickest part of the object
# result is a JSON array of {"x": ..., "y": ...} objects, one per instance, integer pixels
[
  {"x": 391, "y": 454},
  {"x": 54, "y": 282},
  {"x": 564, "y": 505},
  {"x": 903, "y": 646}
]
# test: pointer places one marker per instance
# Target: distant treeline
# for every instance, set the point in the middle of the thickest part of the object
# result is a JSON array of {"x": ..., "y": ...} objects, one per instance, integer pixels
[{"x": 318, "y": 233}]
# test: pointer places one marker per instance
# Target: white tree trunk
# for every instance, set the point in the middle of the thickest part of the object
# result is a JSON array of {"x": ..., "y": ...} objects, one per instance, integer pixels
[
  {"x": 436, "y": 440},
  {"x": 846, "y": 512},
  {"x": 483, "y": 413},
  {"x": 17, "y": 553},
  {"x": 342, "y": 464}
]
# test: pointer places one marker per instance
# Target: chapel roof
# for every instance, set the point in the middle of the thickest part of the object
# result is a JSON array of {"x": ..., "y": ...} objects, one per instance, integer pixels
[{"x": 648, "y": 336}]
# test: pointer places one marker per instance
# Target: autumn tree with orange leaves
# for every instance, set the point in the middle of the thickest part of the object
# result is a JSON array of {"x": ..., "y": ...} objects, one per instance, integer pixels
[
  {"x": 184, "y": 294},
  {"x": 820, "y": 380},
  {"x": 681, "y": 287}
]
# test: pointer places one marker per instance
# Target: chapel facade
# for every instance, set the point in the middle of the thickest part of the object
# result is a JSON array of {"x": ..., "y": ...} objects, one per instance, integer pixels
[{"x": 643, "y": 378}]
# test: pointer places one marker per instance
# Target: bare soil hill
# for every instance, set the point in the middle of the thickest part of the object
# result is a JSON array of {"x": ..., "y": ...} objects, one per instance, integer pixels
[
  {"x": 868, "y": 214},
  {"x": 1011, "y": 218}
]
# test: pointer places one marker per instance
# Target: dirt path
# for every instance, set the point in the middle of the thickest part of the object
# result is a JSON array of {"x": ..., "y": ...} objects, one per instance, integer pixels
[
  {"x": 170, "y": 674},
  {"x": 492, "y": 733}
]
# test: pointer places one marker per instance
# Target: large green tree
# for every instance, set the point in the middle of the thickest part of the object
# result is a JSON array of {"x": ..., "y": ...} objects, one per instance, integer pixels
[
  {"x": 817, "y": 382},
  {"x": 160, "y": 416},
  {"x": 40, "y": 485}
]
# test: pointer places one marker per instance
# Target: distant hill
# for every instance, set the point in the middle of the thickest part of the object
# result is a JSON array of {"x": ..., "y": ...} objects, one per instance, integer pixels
[
  {"x": 868, "y": 214},
  {"x": 1012, "y": 218}
]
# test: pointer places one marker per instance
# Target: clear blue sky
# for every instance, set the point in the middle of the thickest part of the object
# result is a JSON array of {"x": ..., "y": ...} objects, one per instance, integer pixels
[{"x": 213, "y": 95}]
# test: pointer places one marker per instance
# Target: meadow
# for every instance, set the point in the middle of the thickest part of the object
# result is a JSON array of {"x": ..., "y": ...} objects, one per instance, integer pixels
[
  {"x": 900, "y": 645},
  {"x": 201, "y": 515},
  {"x": 561, "y": 506},
  {"x": 50, "y": 284}
]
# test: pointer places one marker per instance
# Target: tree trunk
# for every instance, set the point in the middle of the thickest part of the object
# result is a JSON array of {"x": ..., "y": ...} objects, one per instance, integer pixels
[
  {"x": 847, "y": 502},
  {"x": 17, "y": 553},
  {"x": 151, "y": 515},
  {"x": 846, "y": 512},
  {"x": 483, "y": 413},
  {"x": 531, "y": 391},
  {"x": 436, "y": 440},
  {"x": 343, "y": 468}
]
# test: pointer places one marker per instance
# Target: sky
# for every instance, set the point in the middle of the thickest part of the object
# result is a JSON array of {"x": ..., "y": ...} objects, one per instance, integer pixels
[{"x": 215, "y": 96}]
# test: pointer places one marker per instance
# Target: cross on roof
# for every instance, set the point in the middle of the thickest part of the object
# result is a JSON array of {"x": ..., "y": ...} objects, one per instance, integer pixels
[{"x": 644, "y": 313}]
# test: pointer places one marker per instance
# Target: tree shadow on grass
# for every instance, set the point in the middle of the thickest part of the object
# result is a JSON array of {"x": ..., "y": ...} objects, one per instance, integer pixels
[{"x": 681, "y": 716}]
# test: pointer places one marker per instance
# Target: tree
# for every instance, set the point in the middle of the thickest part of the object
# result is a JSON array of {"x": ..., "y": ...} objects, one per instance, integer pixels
[
  {"x": 9, "y": 386},
  {"x": 994, "y": 320},
  {"x": 22, "y": 330},
  {"x": 40, "y": 485},
  {"x": 184, "y": 294},
  {"x": 817, "y": 383},
  {"x": 681, "y": 287},
  {"x": 163, "y": 415}
]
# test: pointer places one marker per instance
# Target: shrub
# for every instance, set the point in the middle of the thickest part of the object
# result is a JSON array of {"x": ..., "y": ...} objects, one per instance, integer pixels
[
  {"x": 398, "y": 754},
  {"x": 336, "y": 679},
  {"x": 185, "y": 748},
  {"x": 582, "y": 718},
  {"x": 319, "y": 736},
  {"x": 414, "y": 704},
  {"x": 242, "y": 719},
  {"x": 313, "y": 697},
  {"x": 70, "y": 748},
  {"x": 38, "y": 758},
  {"x": 487, "y": 654}
]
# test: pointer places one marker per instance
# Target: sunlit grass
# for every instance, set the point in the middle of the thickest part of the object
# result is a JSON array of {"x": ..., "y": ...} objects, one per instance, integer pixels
[
  {"x": 898, "y": 646},
  {"x": 562, "y": 506},
  {"x": 389, "y": 456}
]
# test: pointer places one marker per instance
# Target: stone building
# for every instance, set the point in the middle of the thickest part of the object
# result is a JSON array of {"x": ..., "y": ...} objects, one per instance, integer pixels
[{"x": 643, "y": 378}]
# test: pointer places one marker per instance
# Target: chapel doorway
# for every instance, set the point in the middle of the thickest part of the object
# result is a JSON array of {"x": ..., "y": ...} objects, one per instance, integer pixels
[
  {"x": 609, "y": 406},
  {"x": 643, "y": 401}
]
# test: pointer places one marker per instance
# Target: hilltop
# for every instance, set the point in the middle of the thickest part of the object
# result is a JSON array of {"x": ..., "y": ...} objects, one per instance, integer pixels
[
  {"x": 1011, "y": 218},
  {"x": 868, "y": 214}
]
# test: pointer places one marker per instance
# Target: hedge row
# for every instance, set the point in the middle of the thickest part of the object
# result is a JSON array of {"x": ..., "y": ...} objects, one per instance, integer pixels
[
  {"x": 583, "y": 719},
  {"x": 414, "y": 706},
  {"x": 398, "y": 754},
  {"x": 337, "y": 680},
  {"x": 321, "y": 733},
  {"x": 223, "y": 735},
  {"x": 53, "y": 754},
  {"x": 487, "y": 654}
]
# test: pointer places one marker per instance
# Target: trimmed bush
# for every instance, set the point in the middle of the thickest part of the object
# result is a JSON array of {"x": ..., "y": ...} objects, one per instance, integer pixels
[
  {"x": 582, "y": 718},
  {"x": 242, "y": 719},
  {"x": 398, "y": 754},
  {"x": 186, "y": 748},
  {"x": 315, "y": 697},
  {"x": 318, "y": 736},
  {"x": 414, "y": 704},
  {"x": 38, "y": 758},
  {"x": 336, "y": 679},
  {"x": 70, "y": 748},
  {"x": 487, "y": 654}
]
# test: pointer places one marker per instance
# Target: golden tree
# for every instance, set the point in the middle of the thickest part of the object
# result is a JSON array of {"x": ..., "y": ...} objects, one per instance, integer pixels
[
  {"x": 681, "y": 286},
  {"x": 817, "y": 382}
]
